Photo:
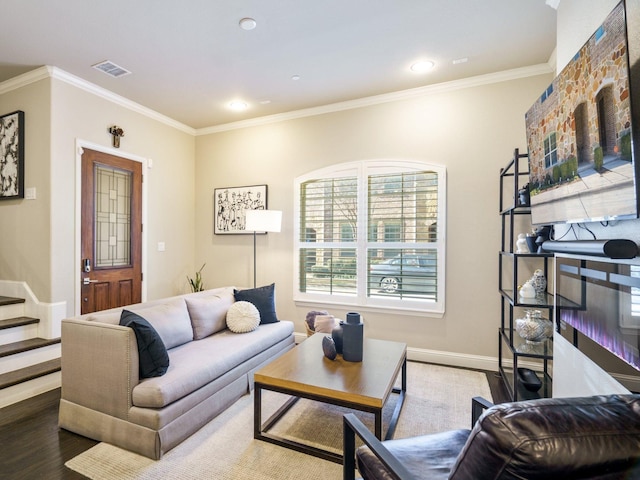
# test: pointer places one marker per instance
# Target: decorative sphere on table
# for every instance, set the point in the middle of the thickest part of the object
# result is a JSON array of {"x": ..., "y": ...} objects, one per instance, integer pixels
[{"x": 329, "y": 348}]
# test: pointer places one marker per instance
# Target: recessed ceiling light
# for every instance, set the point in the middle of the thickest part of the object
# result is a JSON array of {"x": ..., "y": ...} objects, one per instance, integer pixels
[
  {"x": 422, "y": 66},
  {"x": 247, "y": 23},
  {"x": 458, "y": 61},
  {"x": 295, "y": 77},
  {"x": 238, "y": 105}
]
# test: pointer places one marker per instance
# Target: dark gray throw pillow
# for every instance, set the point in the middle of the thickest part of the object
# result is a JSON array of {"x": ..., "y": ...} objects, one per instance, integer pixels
[
  {"x": 264, "y": 300},
  {"x": 153, "y": 356}
]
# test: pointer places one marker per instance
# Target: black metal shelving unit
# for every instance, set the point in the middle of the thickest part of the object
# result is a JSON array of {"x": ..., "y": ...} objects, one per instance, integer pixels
[{"x": 513, "y": 351}]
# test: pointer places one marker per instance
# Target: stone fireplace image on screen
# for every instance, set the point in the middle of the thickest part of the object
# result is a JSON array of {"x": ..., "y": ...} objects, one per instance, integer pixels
[{"x": 579, "y": 134}]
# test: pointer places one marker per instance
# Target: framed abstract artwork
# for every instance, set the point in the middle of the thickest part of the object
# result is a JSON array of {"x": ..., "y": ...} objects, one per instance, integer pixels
[
  {"x": 230, "y": 205},
  {"x": 12, "y": 155}
]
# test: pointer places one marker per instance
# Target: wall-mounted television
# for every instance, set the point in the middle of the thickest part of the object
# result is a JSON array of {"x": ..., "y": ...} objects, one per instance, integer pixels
[{"x": 582, "y": 132}]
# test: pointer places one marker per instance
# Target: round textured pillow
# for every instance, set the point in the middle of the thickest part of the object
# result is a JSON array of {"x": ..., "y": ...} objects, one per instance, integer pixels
[{"x": 243, "y": 317}]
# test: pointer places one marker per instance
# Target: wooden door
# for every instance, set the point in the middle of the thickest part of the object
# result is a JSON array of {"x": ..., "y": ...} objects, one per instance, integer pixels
[{"x": 111, "y": 231}]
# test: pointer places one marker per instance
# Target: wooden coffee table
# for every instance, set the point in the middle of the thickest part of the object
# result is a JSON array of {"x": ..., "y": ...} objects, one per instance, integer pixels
[{"x": 304, "y": 372}]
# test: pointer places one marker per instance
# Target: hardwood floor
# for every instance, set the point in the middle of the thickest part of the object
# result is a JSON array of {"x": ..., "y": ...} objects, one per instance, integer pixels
[
  {"x": 31, "y": 444},
  {"x": 33, "y": 447}
]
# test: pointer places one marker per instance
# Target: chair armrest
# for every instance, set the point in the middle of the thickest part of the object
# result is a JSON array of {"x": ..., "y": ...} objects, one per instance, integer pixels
[
  {"x": 478, "y": 406},
  {"x": 352, "y": 427}
]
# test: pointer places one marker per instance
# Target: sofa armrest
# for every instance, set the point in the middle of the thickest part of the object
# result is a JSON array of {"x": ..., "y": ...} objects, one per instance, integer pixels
[
  {"x": 99, "y": 366},
  {"x": 478, "y": 406},
  {"x": 352, "y": 426}
]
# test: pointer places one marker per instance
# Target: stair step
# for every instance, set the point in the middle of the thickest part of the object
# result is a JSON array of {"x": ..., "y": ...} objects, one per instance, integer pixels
[
  {"x": 10, "y": 300},
  {"x": 26, "y": 345},
  {"x": 17, "y": 322},
  {"x": 29, "y": 373}
]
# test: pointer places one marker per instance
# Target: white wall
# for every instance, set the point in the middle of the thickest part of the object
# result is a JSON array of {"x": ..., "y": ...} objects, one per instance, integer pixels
[
  {"x": 25, "y": 242},
  {"x": 41, "y": 248},
  {"x": 472, "y": 131}
]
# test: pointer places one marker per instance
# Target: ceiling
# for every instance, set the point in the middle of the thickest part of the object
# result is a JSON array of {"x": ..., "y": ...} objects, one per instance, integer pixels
[{"x": 190, "y": 59}]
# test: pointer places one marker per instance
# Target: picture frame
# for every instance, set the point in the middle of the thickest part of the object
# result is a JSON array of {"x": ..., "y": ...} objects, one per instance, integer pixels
[
  {"x": 12, "y": 155},
  {"x": 230, "y": 204}
]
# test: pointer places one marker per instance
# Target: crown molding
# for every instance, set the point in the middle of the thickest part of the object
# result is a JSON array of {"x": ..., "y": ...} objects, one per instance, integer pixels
[
  {"x": 48, "y": 71},
  {"x": 479, "y": 80},
  {"x": 25, "y": 79},
  {"x": 45, "y": 72}
]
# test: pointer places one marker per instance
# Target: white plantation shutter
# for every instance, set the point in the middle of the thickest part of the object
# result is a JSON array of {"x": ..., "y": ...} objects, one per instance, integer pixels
[{"x": 367, "y": 233}]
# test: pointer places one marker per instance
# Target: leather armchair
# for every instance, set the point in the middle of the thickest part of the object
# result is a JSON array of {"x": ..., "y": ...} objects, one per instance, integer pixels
[{"x": 554, "y": 438}]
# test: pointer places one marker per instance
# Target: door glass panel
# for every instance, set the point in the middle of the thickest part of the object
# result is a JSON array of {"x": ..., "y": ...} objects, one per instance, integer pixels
[{"x": 112, "y": 217}]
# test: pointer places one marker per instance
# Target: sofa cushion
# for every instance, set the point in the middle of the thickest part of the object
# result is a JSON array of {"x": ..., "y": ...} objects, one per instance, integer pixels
[
  {"x": 171, "y": 320},
  {"x": 243, "y": 317},
  {"x": 152, "y": 354},
  {"x": 208, "y": 314},
  {"x": 195, "y": 364},
  {"x": 264, "y": 300}
]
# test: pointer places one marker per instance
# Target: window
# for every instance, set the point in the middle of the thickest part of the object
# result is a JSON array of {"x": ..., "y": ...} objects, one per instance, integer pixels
[
  {"x": 546, "y": 93},
  {"x": 600, "y": 32},
  {"x": 550, "y": 151},
  {"x": 370, "y": 234}
]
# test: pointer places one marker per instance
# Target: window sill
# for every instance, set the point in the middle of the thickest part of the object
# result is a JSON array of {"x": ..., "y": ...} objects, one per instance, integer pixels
[{"x": 405, "y": 311}]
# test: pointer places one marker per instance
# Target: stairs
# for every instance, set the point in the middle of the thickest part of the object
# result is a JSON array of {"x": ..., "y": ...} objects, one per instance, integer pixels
[{"x": 29, "y": 365}]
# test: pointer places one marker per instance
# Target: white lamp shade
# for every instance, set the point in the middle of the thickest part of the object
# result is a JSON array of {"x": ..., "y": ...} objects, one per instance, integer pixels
[{"x": 263, "y": 220}]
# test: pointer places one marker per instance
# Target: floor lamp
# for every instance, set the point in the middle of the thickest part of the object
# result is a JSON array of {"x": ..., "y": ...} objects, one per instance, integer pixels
[{"x": 261, "y": 221}]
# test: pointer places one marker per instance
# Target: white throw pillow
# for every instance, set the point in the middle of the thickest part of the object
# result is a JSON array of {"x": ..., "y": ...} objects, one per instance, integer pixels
[{"x": 243, "y": 317}]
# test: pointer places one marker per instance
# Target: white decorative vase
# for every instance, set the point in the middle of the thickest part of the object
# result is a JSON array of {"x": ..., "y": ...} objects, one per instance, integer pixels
[
  {"x": 539, "y": 282},
  {"x": 527, "y": 290},
  {"x": 521, "y": 244}
]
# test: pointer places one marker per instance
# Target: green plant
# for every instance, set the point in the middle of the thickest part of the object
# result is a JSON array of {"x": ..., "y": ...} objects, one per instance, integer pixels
[
  {"x": 625, "y": 146},
  {"x": 196, "y": 284},
  {"x": 598, "y": 158}
]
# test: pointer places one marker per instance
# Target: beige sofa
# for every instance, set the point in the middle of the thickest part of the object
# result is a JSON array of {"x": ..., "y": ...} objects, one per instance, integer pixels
[{"x": 210, "y": 368}]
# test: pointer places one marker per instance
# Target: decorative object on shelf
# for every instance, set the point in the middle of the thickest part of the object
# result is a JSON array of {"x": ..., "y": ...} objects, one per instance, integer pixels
[
  {"x": 337, "y": 335},
  {"x": 531, "y": 242},
  {"x": 196, "y": 283},
  {"x": 329, "y": 348},
  {"x": 542, "y": 235},
  {"x": 523, "y": 196},
  {"x": 230, "y": 205},
  {"x": 310, "y": 320},
  {"x": 12, "y": 155},
  {"x": 521, "y": 244},
  {"x": 353, "y": 337},
  {"x": 539, "y": 282},
  {"x": 534, "y": 328},
  {"x": 117, "y": 132},
  {"x": 529, "y": 379},
  {"x": 527, "y": 290}
]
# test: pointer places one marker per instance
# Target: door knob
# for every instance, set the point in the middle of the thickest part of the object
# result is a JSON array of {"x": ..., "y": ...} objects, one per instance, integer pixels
[{"x": 87, "y": 281}]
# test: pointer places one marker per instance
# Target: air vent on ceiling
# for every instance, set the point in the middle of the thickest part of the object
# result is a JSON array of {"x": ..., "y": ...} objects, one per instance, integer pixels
[{"x": 111, "y": 69}]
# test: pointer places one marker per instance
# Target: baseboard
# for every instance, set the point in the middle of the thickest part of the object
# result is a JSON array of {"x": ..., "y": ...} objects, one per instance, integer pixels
[
  {"x": 628, "y": 381},
  {"x": 451, "y": 359}
]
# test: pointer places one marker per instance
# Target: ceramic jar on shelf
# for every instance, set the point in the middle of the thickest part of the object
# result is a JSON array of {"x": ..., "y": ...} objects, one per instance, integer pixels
[
  {"x": 533, "y": 327},
  {"x": 539, "y": 282}
]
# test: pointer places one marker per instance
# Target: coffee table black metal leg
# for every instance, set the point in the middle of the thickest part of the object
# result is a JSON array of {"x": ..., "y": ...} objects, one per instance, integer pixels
[
  {"x": 257, "y": 411},
  {"x": 396, "y": 412}
]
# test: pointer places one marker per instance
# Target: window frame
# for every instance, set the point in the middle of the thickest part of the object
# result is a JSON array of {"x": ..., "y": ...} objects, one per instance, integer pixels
[{"x": 362, "y": 170}]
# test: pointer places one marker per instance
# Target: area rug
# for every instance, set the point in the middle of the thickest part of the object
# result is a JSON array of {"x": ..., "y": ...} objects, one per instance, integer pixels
[{"x": 438, "y": 398}]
